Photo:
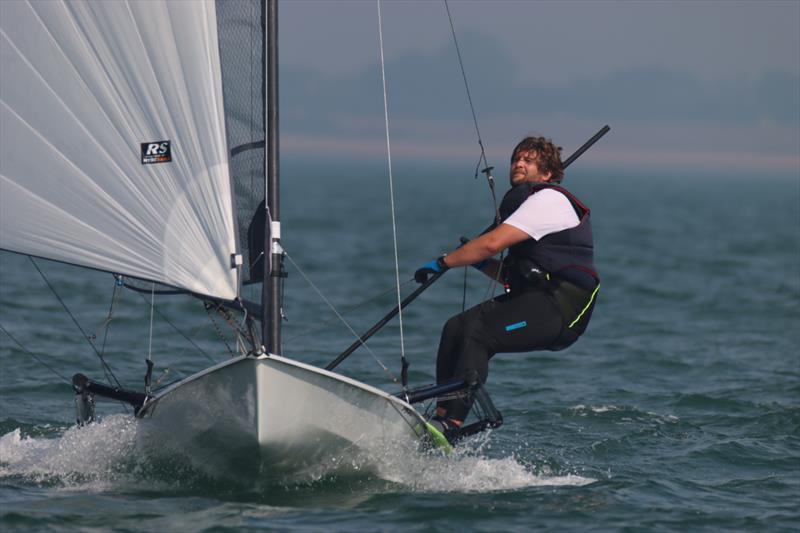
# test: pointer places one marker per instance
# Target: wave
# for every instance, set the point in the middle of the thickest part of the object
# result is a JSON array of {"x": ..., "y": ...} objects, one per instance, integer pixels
[{"x": 621, "y": 414}]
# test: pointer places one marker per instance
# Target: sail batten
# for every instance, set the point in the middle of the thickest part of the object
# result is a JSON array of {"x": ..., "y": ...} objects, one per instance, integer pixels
[{"x": 114, "y": 152}]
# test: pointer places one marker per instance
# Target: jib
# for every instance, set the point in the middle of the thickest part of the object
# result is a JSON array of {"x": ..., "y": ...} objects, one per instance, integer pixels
[{"x": 157, "y": 148}]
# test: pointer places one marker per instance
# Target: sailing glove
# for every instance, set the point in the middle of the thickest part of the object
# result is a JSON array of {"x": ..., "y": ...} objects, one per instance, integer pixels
[{"x": 429, "y": 269}]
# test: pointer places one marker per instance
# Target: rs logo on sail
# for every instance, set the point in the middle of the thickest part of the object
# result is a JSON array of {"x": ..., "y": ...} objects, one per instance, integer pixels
[{"x": 156, "y": 152}]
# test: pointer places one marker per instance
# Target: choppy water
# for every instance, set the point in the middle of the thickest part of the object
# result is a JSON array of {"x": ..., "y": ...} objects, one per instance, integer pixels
[{"x": 679, "y": 410}]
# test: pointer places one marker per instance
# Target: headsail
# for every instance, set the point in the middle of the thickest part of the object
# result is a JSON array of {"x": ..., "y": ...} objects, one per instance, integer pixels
[{"x": 89, "y": 94}]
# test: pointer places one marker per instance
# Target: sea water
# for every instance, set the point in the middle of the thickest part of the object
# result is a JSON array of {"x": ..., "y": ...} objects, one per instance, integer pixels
[{"x": 678, "y": 410}]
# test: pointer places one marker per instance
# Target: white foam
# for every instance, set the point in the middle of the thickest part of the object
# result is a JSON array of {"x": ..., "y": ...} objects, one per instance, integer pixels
[
  {"x": 480, "y": 474},
  {"x": 106, "y": 454},
  {"x": 581, "y": 409},
  {"x": 468, "y": 469},
  {"x": 96, "y": 452}
]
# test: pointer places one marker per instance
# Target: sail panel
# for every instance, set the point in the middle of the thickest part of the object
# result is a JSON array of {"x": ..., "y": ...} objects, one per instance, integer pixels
[{"x": 89, "y": 92}]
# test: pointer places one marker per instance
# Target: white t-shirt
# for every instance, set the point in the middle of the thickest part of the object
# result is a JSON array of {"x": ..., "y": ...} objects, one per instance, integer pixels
[{"x": 544, "y": 212}]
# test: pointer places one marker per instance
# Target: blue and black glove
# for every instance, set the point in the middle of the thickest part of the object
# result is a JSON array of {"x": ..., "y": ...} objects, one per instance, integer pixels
[{"x": 429, "y": 269}]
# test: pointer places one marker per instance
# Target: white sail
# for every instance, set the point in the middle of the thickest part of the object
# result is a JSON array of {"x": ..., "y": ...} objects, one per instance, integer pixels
[{"x": 83, "y": 86}]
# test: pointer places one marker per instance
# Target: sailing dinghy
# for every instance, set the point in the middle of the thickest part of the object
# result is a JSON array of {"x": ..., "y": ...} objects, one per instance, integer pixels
[{"x": 140, "y": 139}]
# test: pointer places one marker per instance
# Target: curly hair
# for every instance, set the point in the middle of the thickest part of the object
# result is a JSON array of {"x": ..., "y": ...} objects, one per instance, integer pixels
[{"x": 548, "y": 155}]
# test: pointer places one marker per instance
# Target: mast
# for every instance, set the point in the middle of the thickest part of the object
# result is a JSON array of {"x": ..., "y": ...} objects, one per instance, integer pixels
[{"x": 271, "y": 290}]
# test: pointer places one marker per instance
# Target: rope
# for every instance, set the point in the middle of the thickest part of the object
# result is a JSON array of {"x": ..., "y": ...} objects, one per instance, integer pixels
[
  {"x": 469, "y": 94},
  {"x": 160, "y": 314},
  {"x": 487, "y": 170},
  {"x": 356, "y": 335},
  {"x": 106, "y": 369},
  {"x": 150, "y": 337},
  {"x": 149, "y": 374},
  {"x": 391, "y": 195},
  {"x": 107, "y": 322},
  {"x": 348, "y": 310},
  {"x": 209, "y": 306},
  {"x": 50, "y": 368}
]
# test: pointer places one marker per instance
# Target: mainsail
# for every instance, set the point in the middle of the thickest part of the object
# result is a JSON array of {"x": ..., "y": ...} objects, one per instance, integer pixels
[
  {"x": 242, "y": 44},
  {"x": 114, "y": 152},
  {"x": 133, "y": 141}
]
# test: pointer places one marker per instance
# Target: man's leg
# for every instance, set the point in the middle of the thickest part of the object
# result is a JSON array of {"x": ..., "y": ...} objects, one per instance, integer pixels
[
  {"x": 526, "y": 322},
  {"x": 450, "y": 350}
]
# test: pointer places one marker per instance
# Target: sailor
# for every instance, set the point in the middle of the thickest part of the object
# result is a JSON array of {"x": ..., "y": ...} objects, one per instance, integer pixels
[{"x": 549, "y": 276}]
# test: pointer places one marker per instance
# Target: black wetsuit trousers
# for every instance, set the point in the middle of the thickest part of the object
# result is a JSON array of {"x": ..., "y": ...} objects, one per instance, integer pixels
[{"x": 530, "y": 320}]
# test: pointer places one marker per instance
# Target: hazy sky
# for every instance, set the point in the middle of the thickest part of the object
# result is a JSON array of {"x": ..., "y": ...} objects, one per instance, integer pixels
[
  {"x": 712, "y": 84},
  {"x": 569, "y": 39}
]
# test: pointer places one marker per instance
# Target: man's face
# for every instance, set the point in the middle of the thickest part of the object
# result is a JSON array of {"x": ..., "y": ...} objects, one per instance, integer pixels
[{"x": 525, "y": 168}]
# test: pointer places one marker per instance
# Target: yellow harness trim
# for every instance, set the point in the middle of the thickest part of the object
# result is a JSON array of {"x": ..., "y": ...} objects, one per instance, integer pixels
[{"x": 589, "y": 303}]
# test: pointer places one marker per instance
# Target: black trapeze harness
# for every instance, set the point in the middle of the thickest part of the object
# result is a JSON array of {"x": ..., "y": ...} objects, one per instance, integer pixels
[{"x": 561, "y": 263}]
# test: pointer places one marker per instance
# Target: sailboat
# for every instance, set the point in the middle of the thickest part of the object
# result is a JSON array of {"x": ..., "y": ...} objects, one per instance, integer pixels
[{"x": 141, "y": 139}]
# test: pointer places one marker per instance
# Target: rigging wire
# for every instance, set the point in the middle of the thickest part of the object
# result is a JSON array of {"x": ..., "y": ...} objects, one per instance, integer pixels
[
  {"x": 41, "y": 362},
  {"x": 106, "y": 369},
  {"x": 149, "y": 360},
  {"x": 107, "y": 322},
  {"x": 487, "y": 170},
  {"x": 326, "y": 323},
  {"x": 356, "y": 335},
  {"x": 238, "y": 332},
  {"x": 178, "y": 331},
  {"x": 221, "y": 335},
  {"x": 141, "y": 291},
  {"x": 466, "y": 86},
  {"x": 404, "y": 363},
  {"x": 150, "y": 337}
]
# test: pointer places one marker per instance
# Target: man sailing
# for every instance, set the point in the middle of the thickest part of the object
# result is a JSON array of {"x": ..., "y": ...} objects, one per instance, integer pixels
[{"x": 549, "y": 275}]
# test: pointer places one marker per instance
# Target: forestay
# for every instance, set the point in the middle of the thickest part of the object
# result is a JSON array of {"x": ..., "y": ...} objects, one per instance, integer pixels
[{"x": 89, "y": 94}]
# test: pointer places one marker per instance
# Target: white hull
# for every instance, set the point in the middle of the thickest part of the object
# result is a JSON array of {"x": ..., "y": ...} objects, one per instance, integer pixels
[{"x": 275, "y": 413}]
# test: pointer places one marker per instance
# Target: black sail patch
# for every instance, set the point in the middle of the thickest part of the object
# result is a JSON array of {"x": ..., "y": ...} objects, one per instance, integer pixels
[{"x": 156, "y": 152}]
